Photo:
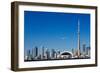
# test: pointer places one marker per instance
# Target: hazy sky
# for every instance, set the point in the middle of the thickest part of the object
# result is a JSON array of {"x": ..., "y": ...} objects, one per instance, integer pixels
[{"x": 55, "y": 30}]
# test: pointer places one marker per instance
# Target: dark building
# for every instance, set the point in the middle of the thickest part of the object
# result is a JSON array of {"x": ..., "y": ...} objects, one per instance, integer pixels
[
  {"x": 28, "y": 55},
  {"x": 48, "y": 54},
  {"x": 53, "y": 53},
  {"x": 88, "y": 51},
  {"x": 84, "y": 48},
  {"x": 58, "y": 52},
  {"x": 33, "y": 53},
  {"x": 36, "y": 51},
  {"x": 43, "y": 53}
]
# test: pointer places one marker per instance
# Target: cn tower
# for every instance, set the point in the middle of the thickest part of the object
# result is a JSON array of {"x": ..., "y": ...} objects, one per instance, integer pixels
[{"x": 78, "y": 33}]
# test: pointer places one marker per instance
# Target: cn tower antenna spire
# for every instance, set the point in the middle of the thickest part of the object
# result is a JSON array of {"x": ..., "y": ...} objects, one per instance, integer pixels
[{"x": 78, "y": 39}]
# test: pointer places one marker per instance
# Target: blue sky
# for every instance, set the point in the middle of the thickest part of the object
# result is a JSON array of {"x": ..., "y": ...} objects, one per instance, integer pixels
[{"x": 55, "y": 30}]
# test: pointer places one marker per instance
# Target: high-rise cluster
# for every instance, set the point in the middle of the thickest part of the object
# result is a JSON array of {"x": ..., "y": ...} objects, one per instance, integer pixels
[{"x": 43, "y": 53}]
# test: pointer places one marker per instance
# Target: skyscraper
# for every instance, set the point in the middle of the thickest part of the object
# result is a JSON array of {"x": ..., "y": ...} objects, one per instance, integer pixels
[
  {"x": 88, "y": 51},
  {"x": 84, "y": 49},
  {"x": 73, "y": 52},
  {"x": 36, "y": 51},
  {"x": 33, "y": 53},
  {"x": 53, "y": 53},
  {"x": 47, "y": 54},
  {"x": 28, "y": 55},
  {"x": 43, "y": 53}
]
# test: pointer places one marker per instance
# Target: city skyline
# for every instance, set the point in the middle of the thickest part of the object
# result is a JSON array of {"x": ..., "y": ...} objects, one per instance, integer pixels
[
  {"x": 55, "y": 30},
  {"x": 45, "y": 54}
]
